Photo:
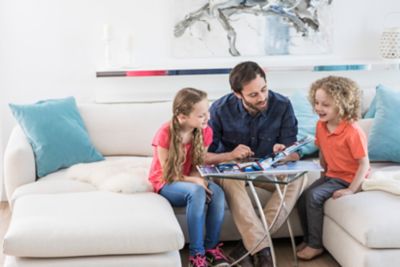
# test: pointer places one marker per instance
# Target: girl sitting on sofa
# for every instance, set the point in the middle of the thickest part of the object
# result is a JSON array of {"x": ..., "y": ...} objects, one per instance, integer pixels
[
  {"x": 343, "y": 154},
  {"x": 178, "y": 146}
]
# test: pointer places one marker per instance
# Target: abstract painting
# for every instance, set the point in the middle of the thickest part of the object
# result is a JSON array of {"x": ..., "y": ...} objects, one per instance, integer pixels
[{"x": 229, "y": 28}]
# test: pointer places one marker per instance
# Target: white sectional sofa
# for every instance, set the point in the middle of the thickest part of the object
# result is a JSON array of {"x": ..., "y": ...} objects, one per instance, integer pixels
[{"x": 58, "y": 222}]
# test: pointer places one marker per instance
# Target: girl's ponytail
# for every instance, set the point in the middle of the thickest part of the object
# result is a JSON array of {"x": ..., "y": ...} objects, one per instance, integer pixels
[
  {"x": 176, "y": 155},
  {"x": 184, "y": 102}
]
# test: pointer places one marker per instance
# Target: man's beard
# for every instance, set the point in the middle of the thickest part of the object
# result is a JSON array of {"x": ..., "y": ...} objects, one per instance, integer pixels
[{"x": 253, "y": 109}]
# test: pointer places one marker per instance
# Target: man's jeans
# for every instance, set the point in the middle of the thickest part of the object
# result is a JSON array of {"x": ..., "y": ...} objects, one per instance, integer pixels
[
  {"x": 198, "y": 212},
  {"x": 245, "y": 217}
]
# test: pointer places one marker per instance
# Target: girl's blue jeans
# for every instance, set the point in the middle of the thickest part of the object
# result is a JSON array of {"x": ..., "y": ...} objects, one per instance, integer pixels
[{"x": 199, "y": 214}]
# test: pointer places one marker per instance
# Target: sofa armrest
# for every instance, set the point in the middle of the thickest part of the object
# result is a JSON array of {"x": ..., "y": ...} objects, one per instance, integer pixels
[{"x": 19, "y": 162}]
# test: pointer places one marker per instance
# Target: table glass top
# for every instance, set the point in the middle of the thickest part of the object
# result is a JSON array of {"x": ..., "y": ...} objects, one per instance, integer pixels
[{"x": 265, "y": 178}]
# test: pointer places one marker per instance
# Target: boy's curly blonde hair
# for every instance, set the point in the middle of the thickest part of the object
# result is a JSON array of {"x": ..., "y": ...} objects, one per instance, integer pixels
[{"x": 345, "y": 93}]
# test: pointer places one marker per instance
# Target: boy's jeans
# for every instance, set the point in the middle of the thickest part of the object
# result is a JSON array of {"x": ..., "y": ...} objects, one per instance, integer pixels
[
  {"x": 311, "y": 208},
  {"x": 198, "y": 212}
]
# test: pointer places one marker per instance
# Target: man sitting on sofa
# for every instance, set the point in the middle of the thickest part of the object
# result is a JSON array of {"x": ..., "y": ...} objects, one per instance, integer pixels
[{"x": 253, "y": 121}]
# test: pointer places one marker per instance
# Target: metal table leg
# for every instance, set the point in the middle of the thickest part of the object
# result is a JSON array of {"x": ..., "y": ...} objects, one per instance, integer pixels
[
  {"x": 263, "y": 220},
  {"x": 282, "y": 197}
]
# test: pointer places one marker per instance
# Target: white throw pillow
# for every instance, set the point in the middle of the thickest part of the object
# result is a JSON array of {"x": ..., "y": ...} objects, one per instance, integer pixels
[{"x": 120, "y": 175}]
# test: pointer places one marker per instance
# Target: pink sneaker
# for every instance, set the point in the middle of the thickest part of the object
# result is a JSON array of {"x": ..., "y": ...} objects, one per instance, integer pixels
[
  {"x": 216, "y": 258},
  {"x": 198, "y": 261}
]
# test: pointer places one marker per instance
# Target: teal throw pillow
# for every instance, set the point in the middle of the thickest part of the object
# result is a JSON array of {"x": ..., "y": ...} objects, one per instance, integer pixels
[
  {"x": 57, "y": 134},
  {"x": 371, "y": 110},
  {"x": 383, "y": 139},
  {"x": 307, "y": 120},
  {"x": 372, "y": 107}
]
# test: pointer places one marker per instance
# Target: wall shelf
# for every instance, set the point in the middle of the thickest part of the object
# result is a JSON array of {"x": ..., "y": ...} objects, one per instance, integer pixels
[
  {"x": 378, "y": 65},
  {"x": 170, "y": 72}
]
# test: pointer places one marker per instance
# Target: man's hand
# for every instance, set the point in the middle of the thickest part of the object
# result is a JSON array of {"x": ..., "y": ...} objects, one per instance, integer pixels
[
  {"x": 342, "y": 192},
  {"x": 241, "y": 152},
  {"x": 292, "y": 157},
  {"x": 278, "y": 148}
]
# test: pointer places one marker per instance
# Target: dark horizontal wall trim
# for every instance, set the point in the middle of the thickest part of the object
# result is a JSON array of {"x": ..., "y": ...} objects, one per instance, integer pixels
[{"x": 174, "y": 72}]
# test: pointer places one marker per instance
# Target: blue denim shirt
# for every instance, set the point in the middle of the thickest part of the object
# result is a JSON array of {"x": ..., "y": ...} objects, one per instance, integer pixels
[{"x": 233, "y": 125}]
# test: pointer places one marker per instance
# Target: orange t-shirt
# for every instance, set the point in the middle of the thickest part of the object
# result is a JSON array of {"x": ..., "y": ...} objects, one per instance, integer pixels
[
  {"x": 342, "y": 149},
  {"x": 162, "y": 139}
]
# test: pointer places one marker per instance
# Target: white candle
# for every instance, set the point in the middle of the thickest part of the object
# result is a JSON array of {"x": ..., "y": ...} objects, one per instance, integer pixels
[{"x": 106, "y": 32}]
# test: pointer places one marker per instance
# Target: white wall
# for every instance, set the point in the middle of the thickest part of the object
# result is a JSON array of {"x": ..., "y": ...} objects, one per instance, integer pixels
[{"x": 52, "y": 48}]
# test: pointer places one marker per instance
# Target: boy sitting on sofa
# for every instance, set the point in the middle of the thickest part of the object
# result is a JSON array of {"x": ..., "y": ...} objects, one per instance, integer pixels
[{"x": 343, "y": 154}]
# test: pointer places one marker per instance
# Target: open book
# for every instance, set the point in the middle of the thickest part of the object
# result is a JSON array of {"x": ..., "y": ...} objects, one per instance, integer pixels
[{"x": 267, "y": 165}]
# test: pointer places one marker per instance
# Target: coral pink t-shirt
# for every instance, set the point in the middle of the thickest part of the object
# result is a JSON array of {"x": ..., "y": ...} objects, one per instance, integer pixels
[
  {"x": 162, "y": 139},
  {"x": 342, "y": 149}
]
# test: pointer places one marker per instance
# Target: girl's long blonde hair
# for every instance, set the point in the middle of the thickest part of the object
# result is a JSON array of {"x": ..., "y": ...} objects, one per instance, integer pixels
[{"x": 184, "y": 102}]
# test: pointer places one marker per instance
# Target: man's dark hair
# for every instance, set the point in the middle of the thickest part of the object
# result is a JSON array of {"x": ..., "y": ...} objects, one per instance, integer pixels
[{"x": 243, "y": 73}]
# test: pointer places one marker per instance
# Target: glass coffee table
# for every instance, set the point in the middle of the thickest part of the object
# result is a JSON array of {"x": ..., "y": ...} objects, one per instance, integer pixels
[{"x": 281, "y": 182}]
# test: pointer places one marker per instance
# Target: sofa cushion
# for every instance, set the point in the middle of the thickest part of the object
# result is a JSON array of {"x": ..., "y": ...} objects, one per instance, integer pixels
[
  {"x": 62, "y": 182},
  {"x": 92, "y": 223},
  {"x": 167, "y": 259},
  {"x": 56, "y": 133},
  {"x": 348, "y": 252},
  {"x": 50, "y": 186},
  {"x": 369, "y": 217},
  {"x": 124, "y": 129},
  {"x": 307, "y": 120}
]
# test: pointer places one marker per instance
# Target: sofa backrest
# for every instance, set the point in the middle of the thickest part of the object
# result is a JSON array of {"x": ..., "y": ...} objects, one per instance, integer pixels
[
  {"x": 128, "y": 129},
  {"x": 124, "y": 129},
  {"x": 367, "y": 95}
]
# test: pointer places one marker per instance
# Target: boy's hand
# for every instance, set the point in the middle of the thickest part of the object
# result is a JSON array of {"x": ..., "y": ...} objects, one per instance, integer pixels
[{"x": 342, "y": 192}]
